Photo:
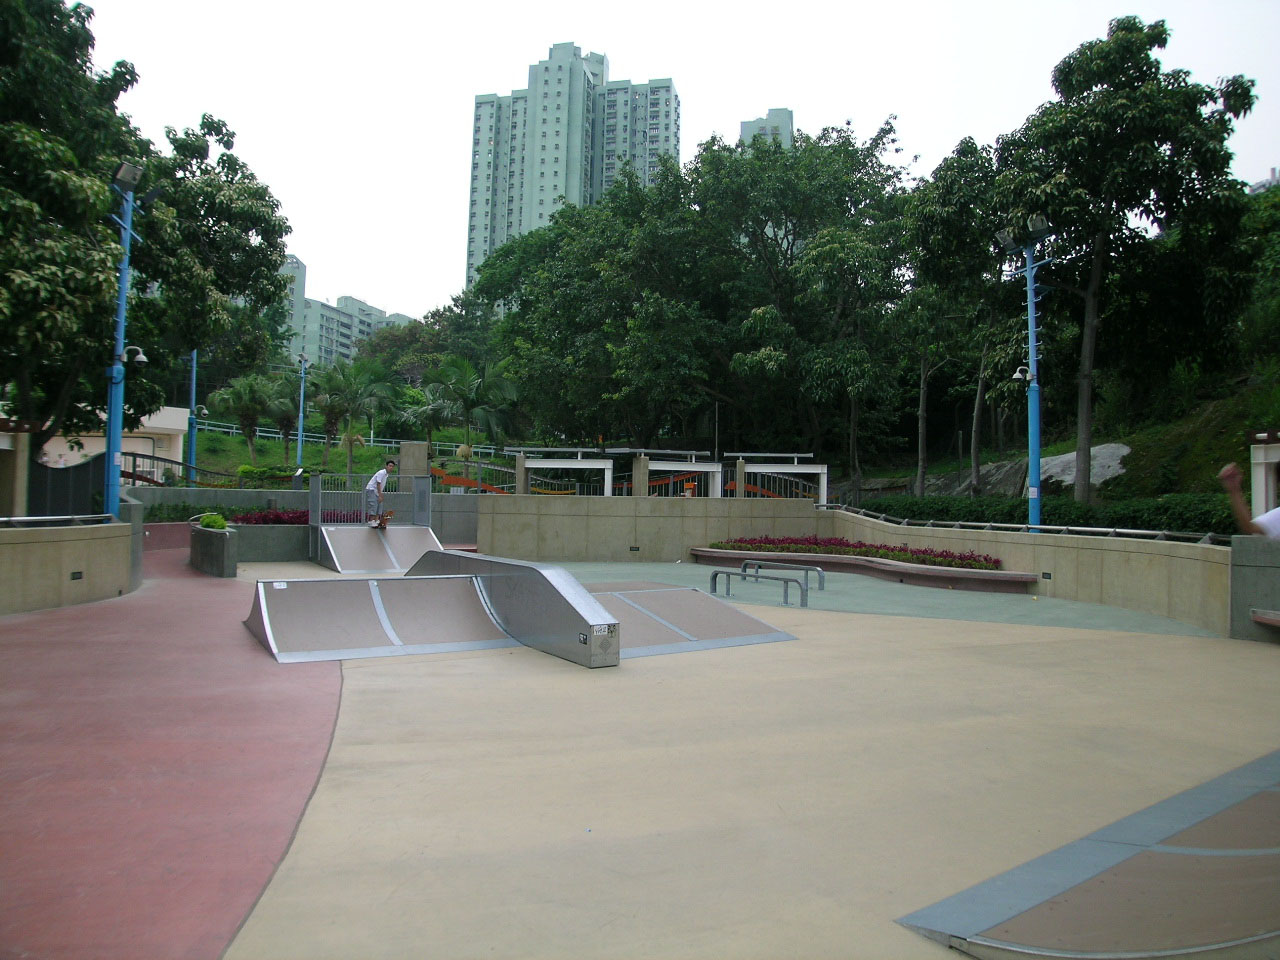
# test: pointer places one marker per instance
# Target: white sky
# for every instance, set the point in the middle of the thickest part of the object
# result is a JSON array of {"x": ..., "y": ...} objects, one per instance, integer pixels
[{"x": 359, "y": 115}]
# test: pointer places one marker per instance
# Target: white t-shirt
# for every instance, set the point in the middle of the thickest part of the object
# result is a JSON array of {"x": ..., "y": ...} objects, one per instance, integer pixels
[
  {"x": 1270, "y": 523},
  {"x": 378, "y": 482}
]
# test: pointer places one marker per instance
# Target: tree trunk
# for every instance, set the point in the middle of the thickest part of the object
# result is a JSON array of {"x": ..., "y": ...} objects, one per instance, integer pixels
[
  {"x": 975, "y": 474},
  {"x": 921, "y": 456},
  {"x": 855, "y": 467},
  {"x": 1084, "y": 375}
]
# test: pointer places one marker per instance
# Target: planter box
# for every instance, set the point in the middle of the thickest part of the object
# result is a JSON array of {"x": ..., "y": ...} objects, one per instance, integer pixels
[
  {"x": 214, "y": 551},
  {"x": 272, "y": 542},
  {"x": 923, "y": 575}
]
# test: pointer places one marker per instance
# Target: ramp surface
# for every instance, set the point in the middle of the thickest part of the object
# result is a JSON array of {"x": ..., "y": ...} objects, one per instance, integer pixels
[
  {"x": 356, "y": 548},
  {"x": 657, "y": 618},
  {"x": 1197, "y": 874},
  {"x": 305, "y": 620}
]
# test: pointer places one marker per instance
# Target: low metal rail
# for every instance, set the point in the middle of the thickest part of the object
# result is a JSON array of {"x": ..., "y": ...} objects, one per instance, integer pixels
[
  {"x": 785, "y": 581},
  {"x": 776, "y": 565}
]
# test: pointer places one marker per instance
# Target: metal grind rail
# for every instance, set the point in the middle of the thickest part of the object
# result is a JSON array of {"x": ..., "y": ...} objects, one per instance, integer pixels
[
  {"x": 785, "y": 581},
  {"x": 776, "y": 565}
]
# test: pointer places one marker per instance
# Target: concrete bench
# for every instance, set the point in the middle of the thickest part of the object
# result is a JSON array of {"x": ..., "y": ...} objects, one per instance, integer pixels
[{"x": 919, "y": 574}]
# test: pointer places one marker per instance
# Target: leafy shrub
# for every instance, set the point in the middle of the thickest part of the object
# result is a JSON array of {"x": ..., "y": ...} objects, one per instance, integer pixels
[
  {"x": 1179, "y": 512},
  {"x": 287, "y": 517},
  {"x": 213, "y": 521},
  {"x": 179, "y": 512},
  {"x": 928, "y": 556}
]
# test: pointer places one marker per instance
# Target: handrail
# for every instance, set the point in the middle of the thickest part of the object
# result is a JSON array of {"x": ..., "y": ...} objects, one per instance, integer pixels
[
  {"x": 69, "y": 521},
  {"x": 778, "y": 565},
  {"x": 785, "y": 581},
  {"x": 1215, "y": 539}
]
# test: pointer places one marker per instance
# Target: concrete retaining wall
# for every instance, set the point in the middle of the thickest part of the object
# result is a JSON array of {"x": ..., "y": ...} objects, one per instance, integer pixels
[
  {"x": 269, "y": 543},
  {"x": 214, "y": 551},
  {"x": 58, "y": 566},
  {"x": 1255, "y": 584},
  {"x": 1183, "y": 581},
  {"x": 1186, "y": 582},
  {"x": 629, "y": 528}
]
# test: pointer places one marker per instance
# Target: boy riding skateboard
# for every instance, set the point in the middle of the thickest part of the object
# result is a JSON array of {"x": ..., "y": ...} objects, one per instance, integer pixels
[{"x": 373, "y": 496}]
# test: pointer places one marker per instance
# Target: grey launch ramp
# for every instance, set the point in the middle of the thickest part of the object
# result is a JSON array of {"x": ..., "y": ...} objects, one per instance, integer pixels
[
  {"x": 657, "y": 618},
  {"x": 305, "y": 620},
  {"x": 356, "y": 548},
  {"x": 541, "y": 605}
]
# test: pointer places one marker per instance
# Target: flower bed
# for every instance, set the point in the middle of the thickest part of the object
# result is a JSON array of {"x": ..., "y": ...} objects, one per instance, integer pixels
[{"x": 839, "y": 546}]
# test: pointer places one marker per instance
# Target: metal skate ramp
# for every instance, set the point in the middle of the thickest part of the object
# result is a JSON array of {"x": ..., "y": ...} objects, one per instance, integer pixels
[
  {"x": 328, "y": 619},
  {"x": 357, "y": 548},
  {"x": 658, "y": 618}
]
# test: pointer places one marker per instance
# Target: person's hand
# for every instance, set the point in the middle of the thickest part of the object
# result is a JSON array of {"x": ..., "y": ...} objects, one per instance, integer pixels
[{"x": 1230, "y": 476}]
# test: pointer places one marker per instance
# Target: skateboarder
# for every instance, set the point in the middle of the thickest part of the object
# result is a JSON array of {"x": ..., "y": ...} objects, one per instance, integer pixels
[{"x": 373, "y": 495}]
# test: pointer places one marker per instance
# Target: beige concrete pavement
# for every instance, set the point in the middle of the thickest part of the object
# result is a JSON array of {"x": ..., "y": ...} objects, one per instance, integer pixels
[{"x": 781, "y": 800}]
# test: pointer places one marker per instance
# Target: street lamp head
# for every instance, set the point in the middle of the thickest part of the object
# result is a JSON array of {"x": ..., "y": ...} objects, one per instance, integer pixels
[
  {"x": 138, "y": 356},
  {"x": 127, "y": 176},
  {"x": 1038, "y": 227},
  {"x": 1005, "y": 239},
  {"x": 1022, "y": 373}
]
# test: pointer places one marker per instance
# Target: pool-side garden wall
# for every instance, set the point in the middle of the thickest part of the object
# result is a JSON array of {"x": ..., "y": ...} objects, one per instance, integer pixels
[{"x": 1182, "y": 581}]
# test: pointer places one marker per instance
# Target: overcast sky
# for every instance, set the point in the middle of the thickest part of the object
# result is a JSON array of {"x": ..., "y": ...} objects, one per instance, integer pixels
[{"x": 359, "y": 116}]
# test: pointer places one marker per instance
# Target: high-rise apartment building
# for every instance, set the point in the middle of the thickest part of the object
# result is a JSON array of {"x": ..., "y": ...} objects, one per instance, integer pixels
[
  {"x": 778, "y": 124},
  {"x": 325, "y": 332},
  {"x": 563, "y": 139}
]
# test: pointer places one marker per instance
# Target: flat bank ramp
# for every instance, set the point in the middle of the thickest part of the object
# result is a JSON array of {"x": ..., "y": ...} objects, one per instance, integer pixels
[
  {"x": 356, "y": 548},
  {"x": 1196, "y": 875},
  {"x": 657, "y": 618},
  {"x": 305, "y": 620}
]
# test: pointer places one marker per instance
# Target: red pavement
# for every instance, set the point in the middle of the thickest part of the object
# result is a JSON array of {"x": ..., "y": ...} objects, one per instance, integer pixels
[{"x": 154, "y": 763}]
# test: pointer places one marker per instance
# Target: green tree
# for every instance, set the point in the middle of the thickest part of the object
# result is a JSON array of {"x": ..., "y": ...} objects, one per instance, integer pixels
[
  {"x": 283, "y": 390},
  {"x": 1126, "y": 147},
  {"x": 246, "y": 400}
]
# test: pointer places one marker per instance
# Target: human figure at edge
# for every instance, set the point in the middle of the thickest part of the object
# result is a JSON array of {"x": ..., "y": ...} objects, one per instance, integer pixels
[
  {"x": 1267, "y": 525},
  {"x": 373, "y": 494}
]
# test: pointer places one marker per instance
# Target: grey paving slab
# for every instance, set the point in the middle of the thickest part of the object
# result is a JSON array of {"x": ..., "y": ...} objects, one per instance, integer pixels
[{"x": 851, "y": 593}]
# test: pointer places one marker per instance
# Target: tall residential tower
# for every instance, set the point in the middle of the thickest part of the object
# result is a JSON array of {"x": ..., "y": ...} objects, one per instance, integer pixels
[{"x": 564, "y": 139}]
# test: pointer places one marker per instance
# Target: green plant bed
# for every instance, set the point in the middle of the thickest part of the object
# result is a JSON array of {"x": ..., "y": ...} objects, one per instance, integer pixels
[
  {"x": 838, "y": 546},
  {"x": 1181, "y": 512}
]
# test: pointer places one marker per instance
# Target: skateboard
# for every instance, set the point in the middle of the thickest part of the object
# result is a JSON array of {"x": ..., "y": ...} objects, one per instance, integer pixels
[{"x": 383, "y": 518}]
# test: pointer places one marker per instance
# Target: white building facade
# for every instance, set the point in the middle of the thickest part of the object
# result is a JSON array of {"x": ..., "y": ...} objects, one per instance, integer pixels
[
  {"x": 563, "y": 139},
  {"x": 323, "y": 331},
  {"x": 778, "y": 124}
]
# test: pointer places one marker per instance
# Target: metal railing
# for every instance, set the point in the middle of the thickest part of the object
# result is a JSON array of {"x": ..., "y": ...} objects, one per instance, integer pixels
[
  {"x": 1176, "y": 536},
  {"x": 757, "y": 577},
  {"x": 76, "y": 521}
]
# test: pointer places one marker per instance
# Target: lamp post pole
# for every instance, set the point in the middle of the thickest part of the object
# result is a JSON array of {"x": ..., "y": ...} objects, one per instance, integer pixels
[
  {"x": 125, "y": 180},
  {"x": 1037, "y": 229},
  {"x": 191, "y": 425},
  {"x": 1033, "y": 392},
  {"x": 302, "y": 404}
]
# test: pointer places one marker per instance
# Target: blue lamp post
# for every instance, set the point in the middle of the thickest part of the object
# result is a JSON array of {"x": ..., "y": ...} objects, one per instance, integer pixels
[
  {"x": 1037, "y": 229},
  {"x": 124, "y": 182},
  {"x": 191, "y": 424},
  {"x": 302, "y": 403}
]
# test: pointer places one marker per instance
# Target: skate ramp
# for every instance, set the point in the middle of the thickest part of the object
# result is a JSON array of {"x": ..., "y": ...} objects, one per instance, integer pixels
[
  {"x": 657, "y": 618},
  {"x": 356, "y": 548},
  {"x": 540, "y": 605},
  {"x": 1196, "y": 875},
  {"x": 306, "y": 620}
]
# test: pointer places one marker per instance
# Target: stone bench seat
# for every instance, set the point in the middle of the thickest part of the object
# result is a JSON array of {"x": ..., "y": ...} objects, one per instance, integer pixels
[
  {"x": 919, "y": 574},
  {"x": 1269, "y": 618}
]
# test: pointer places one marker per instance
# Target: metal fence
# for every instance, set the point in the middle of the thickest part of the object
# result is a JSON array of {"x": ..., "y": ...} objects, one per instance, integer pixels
[{"x": 339, "y": 498}]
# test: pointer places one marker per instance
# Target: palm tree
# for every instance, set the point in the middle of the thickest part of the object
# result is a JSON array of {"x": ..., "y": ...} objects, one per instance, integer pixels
[
  {"x": 483, "y": 398},
  {"x": 345, "y": 392},
  {"x": 245, "y": 400},
  {"x": 282, "y": 408},
  {"x": 434, "y": 413}
]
